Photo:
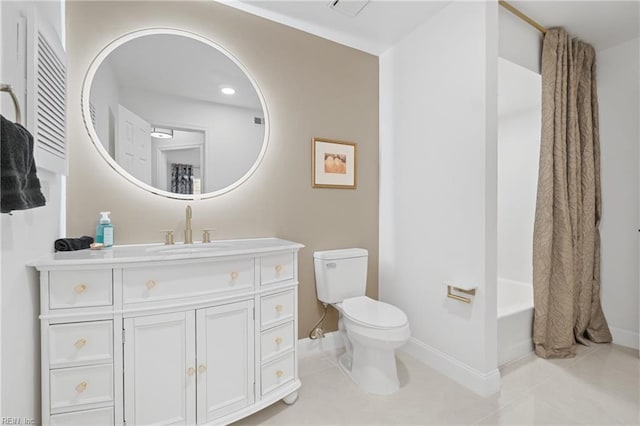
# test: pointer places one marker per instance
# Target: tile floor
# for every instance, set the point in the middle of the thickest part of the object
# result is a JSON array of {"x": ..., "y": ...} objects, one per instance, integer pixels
[{"x": 600, "y": 386}]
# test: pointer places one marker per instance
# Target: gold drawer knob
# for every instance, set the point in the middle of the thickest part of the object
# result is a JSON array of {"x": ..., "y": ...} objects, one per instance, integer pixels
[
  {"x": 278, "y": 269},
  {"x": 278, "y": 308},
  {"x": 278, "y": 340},
  {"x": 81, "y": 387},
  {"x": 202, "y": 368},
  {"x": 279, "y": 373},
  {"x": 80, "y": 288},
  {"x": 150, "y": 284},
  {"x": 80, "y": 343},
  {"x": 235, "y": 275},
  {"x": 191, "y": 371}
]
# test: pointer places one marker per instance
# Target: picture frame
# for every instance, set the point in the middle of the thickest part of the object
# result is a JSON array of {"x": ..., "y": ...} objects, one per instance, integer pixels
[{"x": 333, "y": 164}]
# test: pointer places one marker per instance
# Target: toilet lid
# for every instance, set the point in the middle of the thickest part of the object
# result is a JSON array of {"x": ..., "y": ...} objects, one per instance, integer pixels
[{"x": 373, "y": 313}]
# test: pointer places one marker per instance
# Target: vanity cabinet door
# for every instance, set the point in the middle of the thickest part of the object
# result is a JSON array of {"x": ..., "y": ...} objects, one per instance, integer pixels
[
  {"x": 225, "y": 353},
  {"x": 159, "y": 369}
]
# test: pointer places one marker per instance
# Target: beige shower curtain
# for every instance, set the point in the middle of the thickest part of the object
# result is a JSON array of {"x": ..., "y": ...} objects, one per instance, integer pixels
[{"x": 566, "y": 243}]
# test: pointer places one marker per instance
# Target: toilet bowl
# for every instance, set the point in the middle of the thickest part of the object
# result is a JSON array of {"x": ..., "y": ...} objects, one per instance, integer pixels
[{"x": 372, "y": 330}]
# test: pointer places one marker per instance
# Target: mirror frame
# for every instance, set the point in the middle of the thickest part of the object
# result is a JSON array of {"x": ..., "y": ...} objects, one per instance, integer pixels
[{"x": 86, "y": 115}]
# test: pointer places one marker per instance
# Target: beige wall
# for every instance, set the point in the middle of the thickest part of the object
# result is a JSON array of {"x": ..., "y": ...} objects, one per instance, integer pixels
[{"x": 312, "y": 87}]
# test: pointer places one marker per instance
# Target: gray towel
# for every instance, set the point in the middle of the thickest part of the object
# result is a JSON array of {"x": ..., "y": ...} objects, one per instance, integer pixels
[
  {"x": 71, "y": 244},
  {"x": 20, "y": 186}
]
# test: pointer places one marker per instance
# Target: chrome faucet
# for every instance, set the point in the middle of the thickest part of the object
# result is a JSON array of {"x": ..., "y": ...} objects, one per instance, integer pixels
[{"x": 188, "y": 234}]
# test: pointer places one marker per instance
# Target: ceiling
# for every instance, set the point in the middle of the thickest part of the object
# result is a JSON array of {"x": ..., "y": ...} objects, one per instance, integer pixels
[
  {"x": 600, "y": 23},
  {"x": 382, "y": 23},
  {"x": 181, "y": 67}
]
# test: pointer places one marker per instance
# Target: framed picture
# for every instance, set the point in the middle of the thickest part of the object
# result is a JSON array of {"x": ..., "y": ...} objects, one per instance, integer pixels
[{"x": 333, "y": 164}]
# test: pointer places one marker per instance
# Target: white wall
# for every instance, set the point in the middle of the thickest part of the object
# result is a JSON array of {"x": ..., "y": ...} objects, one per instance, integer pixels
[
  {"x": 25, "y": 235},
  {"x": 185, "y": 156},
  {"x": 519, "y": 106},
  {"x": 518, "y": 157},
  {"x": 619, "y": 97},
  {"x": 438, "y": 202}
]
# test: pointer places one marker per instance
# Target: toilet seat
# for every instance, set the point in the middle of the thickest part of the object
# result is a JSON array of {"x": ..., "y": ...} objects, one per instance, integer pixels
[{"x": 373, "y": 313}]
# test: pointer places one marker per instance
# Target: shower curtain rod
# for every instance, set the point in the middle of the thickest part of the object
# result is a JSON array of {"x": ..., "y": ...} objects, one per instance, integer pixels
[{"x": 522, "y": 16}]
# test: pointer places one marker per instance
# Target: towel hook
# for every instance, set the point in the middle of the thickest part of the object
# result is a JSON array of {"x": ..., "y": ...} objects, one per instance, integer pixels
[{"x": 9, "y": 89}]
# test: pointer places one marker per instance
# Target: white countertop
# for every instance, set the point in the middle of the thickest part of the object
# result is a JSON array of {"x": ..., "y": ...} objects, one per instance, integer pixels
[{"x": 160, "y": 252}]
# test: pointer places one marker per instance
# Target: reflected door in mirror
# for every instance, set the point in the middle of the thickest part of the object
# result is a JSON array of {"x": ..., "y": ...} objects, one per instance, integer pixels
[{"x": 133, "y": 145}]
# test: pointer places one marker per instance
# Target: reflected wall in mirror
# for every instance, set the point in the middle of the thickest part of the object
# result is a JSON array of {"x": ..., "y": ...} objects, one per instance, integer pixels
[{"x": 175, "y": 113}]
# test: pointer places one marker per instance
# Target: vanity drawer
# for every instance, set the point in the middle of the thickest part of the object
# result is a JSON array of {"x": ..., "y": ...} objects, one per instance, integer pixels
[
  {"x": 76, "y": 289},
  {"x": 99, "y": 417},
  {"x": 168, "y": 282},
  {"x": 80, "y": 343},
  {"x": 276, "y": 341},
  {"x": 277, "y": 373},
  {"x": 276, "y": 268},
  {"x": 71, "y": 387},
  {"x": 276, "y": 308}
]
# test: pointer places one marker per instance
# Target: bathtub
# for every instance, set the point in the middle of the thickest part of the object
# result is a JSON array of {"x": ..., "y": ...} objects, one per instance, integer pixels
[{"x": 515, "y": 320}]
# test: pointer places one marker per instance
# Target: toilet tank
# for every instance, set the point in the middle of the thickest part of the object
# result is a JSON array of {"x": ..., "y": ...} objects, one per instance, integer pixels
[{"x": 340, "y": 274}]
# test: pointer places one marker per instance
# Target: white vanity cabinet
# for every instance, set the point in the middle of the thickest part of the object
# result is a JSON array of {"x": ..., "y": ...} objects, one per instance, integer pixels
[
  {"x": 159, "y": 374},
  {"x": 143, "y": 335},
  {"x": 225, "y": 362}
]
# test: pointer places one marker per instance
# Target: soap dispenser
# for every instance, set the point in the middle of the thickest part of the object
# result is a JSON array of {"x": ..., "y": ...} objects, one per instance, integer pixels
[{"x": 104, "y": 230}]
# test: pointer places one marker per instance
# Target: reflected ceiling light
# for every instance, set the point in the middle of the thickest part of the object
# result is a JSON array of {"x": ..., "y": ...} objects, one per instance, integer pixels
[
  {"x": 228, "y": 90},
  {"x": 157, "y": 132}
]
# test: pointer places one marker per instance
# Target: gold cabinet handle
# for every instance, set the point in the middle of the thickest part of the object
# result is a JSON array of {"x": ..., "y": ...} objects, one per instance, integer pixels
[
  {"x": 279, "y": 373},
  {"x": 81, "y": 387},
  {"x": 80, "y": 343},
  {"x": 80, "y": 288},
  {"x": 278, "y": 269},
  {"x": 235, "y": 275},
  {"x": 202, "y": 368},
  {"x": 278, "y": 308},
  {"x": 191, "y": 371},
  {"x": 278, "y": 340},
  {"x": 150, "y": 284}
]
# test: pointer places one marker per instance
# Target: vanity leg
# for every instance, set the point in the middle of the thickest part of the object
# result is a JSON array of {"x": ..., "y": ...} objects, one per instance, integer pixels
[{"x": 291, "y": 398}]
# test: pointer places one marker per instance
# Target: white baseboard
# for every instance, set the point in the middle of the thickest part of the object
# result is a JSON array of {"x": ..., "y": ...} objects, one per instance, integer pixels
[
  {"x": 514, "y": 352},
  {"x": 484, "y": 384},
  {"x": 330, "y": 342},
  {"x": 622, "y": 337}
]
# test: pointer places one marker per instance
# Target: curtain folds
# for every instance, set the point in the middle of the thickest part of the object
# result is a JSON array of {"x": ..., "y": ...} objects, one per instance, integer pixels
[
  {"x": 181, "y": 178},
  {"x": 566, "y": 247}
]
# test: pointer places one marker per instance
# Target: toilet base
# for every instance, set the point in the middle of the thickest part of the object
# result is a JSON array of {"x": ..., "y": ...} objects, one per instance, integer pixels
[{"x": 373, "y": 370}]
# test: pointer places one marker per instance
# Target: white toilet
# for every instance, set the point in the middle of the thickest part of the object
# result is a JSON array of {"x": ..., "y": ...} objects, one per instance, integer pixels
[{"x": 371, "y": 330}]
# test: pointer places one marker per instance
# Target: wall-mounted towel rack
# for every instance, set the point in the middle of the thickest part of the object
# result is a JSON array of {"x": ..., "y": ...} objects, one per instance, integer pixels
[{"x": 7, "y": 88}]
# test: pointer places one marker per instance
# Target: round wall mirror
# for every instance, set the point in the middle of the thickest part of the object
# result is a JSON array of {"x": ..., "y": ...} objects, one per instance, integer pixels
[{"x": 175, "y": 113}]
